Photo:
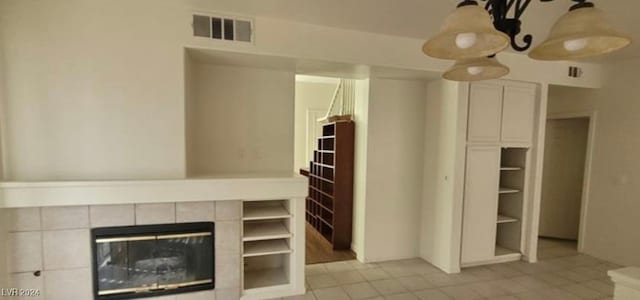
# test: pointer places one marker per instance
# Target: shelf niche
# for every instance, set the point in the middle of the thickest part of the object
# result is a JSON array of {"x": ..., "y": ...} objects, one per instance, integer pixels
[
  {"x": 238, "y": 115},
  {"x": 511, "y": 201},
  {"x": 267, "y": 244}
]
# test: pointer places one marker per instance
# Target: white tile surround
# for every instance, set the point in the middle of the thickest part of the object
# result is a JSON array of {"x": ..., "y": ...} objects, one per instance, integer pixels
[{"x": 56, "y": 240}]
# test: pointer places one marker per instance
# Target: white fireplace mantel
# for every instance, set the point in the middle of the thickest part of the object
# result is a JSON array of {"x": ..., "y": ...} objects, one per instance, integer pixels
[{"x": 229, "y": 187}]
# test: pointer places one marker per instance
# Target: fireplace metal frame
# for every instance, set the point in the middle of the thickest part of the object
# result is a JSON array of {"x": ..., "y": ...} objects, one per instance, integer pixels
[{"x": 128, "y": 232}]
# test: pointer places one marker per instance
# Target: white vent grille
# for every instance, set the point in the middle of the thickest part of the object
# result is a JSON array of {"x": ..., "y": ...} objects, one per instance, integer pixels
[{"x": 222, "y": 28}]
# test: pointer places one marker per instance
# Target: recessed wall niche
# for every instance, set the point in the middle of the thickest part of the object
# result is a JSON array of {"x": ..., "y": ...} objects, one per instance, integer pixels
[{"x": 239, "y": 114}]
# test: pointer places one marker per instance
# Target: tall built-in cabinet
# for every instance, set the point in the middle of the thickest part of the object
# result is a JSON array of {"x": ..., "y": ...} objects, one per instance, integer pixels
[{"x": 500, "y": 131}]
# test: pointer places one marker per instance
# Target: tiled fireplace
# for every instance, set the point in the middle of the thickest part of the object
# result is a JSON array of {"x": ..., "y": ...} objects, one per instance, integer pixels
[{"x": 50, "y": 249}]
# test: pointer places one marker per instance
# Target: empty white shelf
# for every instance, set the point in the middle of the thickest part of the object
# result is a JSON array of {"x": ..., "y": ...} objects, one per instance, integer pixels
[
  {"x": 265, "y": 278},
  {"x": 265, "y": 212},
  {"x": 508, "y": 190},
  {"x": 510, "y": 168},
  {"x": 505, "y": 219},
  {"x": 261, "y": 248},
  {"x": 259, "y": 231}
]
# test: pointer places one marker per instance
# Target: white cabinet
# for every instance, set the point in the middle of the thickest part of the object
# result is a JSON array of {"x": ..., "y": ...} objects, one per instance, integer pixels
[
  {"x": 501, "y": 112},
  {"x": 480, "y": 204},
  {"x": 518, "y": 107},
  {"x": 485, "y": 112}
]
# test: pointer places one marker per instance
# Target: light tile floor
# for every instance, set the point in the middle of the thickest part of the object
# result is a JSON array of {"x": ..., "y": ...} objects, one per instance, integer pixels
[{"x": 561, "y": 274}]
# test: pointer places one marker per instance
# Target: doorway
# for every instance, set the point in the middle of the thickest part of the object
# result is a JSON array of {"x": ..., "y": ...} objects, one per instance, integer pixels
[
  {"x": 564, "y": 184},
  {"x": 313, "y": 97}
]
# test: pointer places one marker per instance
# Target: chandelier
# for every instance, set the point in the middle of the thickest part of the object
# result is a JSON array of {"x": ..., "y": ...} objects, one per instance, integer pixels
[{"x": 472, "y": 36}]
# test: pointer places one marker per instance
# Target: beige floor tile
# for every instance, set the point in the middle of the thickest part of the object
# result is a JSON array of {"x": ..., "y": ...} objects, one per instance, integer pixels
[
  {"x": 317, "y": 269},
  {"x": 340, "y": 266},
  {"x": 334, "y": 293},
  {"x": 505, "y": 270},
  {"x": 405, "y": 296},
  {"x": 511, "y": 286},
  {"x": 489, "y": 289},
  {"x": 374, "y": 274},
  {"x": 553, "y": 279},
  {"x": 415, "y": 283},
  {"x": 531, "y": 282},
  {"x": 361, "y": 266},
  {"x": 321, "y": 281},
  {"x": 348, "y": 277},
  {"x": 388, "y": 287},
  {"x": 399, "y": 271},
  {"x": 583, "y": 292},
  {"x": 363, "y": 290},
  {"x": 308, "y": 296},
  {"x": 442, "y": 279},
  {"x": 507, "y": 297},
  {"x": 484, "y": 273},
  {"x": 461, "y": 292},
  {"x": 603, "y": 286},
  {"x": 432, "y": 294}
]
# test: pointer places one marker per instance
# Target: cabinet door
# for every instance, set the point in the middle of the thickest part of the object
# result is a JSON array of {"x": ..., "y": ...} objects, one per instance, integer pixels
[
  {"x": 485, "y": 112},
  {"x": 517, "y": 114},
  {"x": 480, "y": 213}
]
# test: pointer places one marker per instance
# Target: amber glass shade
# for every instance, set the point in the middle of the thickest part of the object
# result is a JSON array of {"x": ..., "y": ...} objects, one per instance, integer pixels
[
  {"x": 580, "y": 33},
  {"x": 468, "y": 32},
  {"x": 476, "y": 69}
]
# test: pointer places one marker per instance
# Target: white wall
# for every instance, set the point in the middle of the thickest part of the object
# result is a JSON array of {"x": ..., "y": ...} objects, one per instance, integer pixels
[
  {"x": 240, "y": 120},
  {"x": 394, "y": 176},
  {"x": 4, "y": 271},
  {"x": 613, "y": 210},
  {"x": 441, "y": 219},
  {"x": 361, "y": 118},
  {"x": 82, "y": 77},
  {"x": 94, "y": 91},
  {"x": 309, "y": 96}
]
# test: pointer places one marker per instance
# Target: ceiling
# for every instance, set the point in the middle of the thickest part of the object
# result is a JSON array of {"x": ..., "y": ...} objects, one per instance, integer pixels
[{"x": 418, "y": 18}]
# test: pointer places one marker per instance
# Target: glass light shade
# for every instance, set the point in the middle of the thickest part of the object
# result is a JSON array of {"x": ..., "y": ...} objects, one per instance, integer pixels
[
  {"x": 475, "y": 69},
  {"x": 580, "y": 33},
  {"x": 467, "y": 32}
]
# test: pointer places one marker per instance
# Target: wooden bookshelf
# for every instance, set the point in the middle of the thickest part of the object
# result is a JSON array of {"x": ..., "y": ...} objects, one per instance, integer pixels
[{"x": 329, "y": 206}]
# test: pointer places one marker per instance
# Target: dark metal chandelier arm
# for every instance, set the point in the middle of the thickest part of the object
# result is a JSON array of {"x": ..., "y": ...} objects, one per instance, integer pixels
[
  {"x": 527, "y": 39},
  {"x": 499, "y": 10}
]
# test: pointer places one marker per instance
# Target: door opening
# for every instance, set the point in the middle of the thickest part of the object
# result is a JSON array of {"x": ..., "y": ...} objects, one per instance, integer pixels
[{"x": 564, "y": 185}]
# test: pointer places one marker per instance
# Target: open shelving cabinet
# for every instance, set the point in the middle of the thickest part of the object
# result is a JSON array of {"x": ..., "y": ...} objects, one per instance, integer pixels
[
  {"x": 513, "y": 166},
  {"x": 270, "y": 253},
  {"x": 329, "y": 205}
]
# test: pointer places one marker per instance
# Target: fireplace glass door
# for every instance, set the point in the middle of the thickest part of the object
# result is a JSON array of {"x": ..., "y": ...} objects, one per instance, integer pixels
[{"x": 146, "y": 264}]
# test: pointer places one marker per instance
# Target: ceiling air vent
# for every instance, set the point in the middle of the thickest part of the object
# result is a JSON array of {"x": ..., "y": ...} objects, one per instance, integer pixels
[
  {"x": 223, "y": 28},
  {"x": 575, "y": 72}
]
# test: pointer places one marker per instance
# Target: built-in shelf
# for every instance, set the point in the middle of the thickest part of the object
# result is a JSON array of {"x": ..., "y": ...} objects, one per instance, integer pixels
[
  {"x": 501, "y": 251},
  {"x": 330, "y": 200},
  {"x": 510, "y": 168},
  {"x": 322, "y": 178},
  {"x": 265, "y": 230},
  {"x": 270, "y": 247},
  {"x": 265, "y": 278},
  {"x": 265, "y": 212},
  {"x": 325, "y": 165},
  {"x": 504, "y": 219},
  {"x": 504, "y": 190}
]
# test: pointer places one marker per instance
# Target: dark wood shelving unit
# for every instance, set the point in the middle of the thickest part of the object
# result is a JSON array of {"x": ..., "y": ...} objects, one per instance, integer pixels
[{"x": 330, "y": 199}]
